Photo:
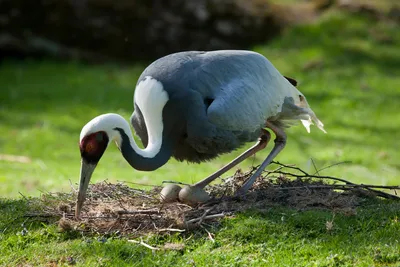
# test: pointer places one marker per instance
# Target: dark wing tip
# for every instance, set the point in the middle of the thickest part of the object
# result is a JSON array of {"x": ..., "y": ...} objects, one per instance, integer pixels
[{"x": 292, "y": 81}]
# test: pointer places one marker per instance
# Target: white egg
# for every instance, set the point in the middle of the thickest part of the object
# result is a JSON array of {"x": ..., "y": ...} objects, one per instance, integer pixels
[
  {"x": 170, "y": 193},
  {"x": 192, "y": 195}
]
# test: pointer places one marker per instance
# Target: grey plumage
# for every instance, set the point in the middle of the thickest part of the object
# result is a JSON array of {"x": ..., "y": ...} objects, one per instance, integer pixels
[
  {"x": 217, "y": 100},
  {"x": 199, "y": 105}
]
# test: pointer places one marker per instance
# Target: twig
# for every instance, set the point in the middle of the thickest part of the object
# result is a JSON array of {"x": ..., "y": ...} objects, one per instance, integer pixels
[
  {"x": 25, "y": 198},
  {"x": 277, "y": 169},
  {"x": 95, "y": 217},
  {"x": 306, "y": 175},
  {"x": 184, "y": 205},
  {"x": 308, "y": 187},
  {"x": 219, "y": 215},
  {"x": 173, "y": 182},
  {"x": 171, "y": 230},
  {"x": 44, "y": 215},
  {"x": 334, "y": 164},
  {"x": 112, "y": 225},
  {"x": 143, "y": 244},
  {"x": 121, "y": 212},
  {"x": 205, "y": 214},
  {"x": 72, "y": 186},
  {"x": 121, "y": 204},
  {"x": 315, "y": 167},
  {"x": 126, "y": 224},
  {"x": 349, "y": 186},
  {"x": 122, "y": 181},
  {"x": 208, "y": 233},
  {"x": 376, "y": 186}
]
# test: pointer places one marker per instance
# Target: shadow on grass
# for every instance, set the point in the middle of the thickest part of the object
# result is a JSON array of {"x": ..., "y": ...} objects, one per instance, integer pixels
[{"x": 17, "y": 217}]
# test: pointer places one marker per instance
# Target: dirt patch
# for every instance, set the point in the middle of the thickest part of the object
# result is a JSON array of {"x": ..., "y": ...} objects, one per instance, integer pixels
[{"x": 118, "y": 208}]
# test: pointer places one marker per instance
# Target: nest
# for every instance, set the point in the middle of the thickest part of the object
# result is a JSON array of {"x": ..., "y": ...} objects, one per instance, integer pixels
[{"x": 120, "y": 209}]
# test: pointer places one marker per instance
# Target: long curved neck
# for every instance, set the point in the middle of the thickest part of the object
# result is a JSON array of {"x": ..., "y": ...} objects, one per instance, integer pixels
[
  {"x": 150, "y": 97},
  {"x": 155, "y": 155}
]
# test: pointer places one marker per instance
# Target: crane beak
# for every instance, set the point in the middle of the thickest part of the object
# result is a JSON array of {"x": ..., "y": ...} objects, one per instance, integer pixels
[{"x": 86, "y": 173}]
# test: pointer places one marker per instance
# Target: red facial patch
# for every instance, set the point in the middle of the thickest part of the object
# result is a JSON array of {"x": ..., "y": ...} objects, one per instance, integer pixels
[{"x": 91, "y": 146}]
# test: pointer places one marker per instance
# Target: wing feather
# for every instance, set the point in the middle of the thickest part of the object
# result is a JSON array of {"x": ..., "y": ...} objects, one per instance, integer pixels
[{"x": 248, "y": 90}]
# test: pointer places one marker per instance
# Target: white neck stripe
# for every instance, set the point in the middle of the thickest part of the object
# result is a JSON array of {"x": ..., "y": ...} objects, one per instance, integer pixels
[{"x": 151, "y": 98}]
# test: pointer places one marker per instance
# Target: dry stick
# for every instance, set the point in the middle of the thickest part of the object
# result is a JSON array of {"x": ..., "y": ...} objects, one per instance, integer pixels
[
  {"x": 219, "y": 215},
  {"x": 154, "y": 224},
  {"x": 173, "y": 182},
  {"x": 205, "y": 214},
  {"x": 112, "y": 225},
  {"x": 377, "y": 192},
  {"x": 277, "y": 169},
  {"x": 315, "y": 167},
  {"x": 334, "y": 164},
  {"x": 121, "y": 204},
  {"x": 121, "y": 212},
  {"x": 375, "y": 186},
  {"x": 137, "y": 228},
  {"x": 125, "y": 225},
  {"x": 392, "y": 187},
  {"x": 33, "y": 215},
  {"x": 306, "y": 175},
  {"x": 143, "y": 244},
  {"x": 96, "y": 217},
  {"x": 338, "y": 186},
  {"x": 100, "y": 217},
  {"x": 25, "y": 198},
  {"x": 122, "y": 181},
  {"x": 72, "y": 186},
  {"x": 209, "y": 234},
  {"x": 171, "y": 230},
  {"x": 184, "y": 205},
  {"x": 130, "y": 189}
]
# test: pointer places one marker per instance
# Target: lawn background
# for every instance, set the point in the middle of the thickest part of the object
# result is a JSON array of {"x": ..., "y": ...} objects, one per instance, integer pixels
[{"x": 348, "y": 68}]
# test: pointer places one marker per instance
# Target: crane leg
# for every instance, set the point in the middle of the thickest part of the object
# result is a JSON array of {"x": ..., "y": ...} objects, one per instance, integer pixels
[
  {"x": 261, "y": 144},
  {"x": 280, "y": 142}
]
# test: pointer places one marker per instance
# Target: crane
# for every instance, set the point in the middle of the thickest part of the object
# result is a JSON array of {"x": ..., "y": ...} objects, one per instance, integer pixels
[{"x": 195, "y": 106}]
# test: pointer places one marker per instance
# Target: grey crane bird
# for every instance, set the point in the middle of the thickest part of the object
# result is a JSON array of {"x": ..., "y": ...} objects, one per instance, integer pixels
[{"x": 195, "y": 106}]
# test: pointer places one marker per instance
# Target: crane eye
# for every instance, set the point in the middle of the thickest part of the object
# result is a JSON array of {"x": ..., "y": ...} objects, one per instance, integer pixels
[{"x": 91, "y": 146}]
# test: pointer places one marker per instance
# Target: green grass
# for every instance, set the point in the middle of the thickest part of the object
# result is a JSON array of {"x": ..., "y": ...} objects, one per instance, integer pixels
[
  {"x": 278, "y": 237},
  {"x": 354, "y": 90}
]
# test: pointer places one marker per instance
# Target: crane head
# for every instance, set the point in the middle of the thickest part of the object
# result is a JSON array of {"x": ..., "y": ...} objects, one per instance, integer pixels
[
  {"x": 92, "y": 148},
  {"x": 94, "y": 139}
]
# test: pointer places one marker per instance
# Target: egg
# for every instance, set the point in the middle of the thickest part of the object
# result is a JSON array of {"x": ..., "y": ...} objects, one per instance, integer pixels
[
  {"x": 193, "y": 195},
  {"x": 170, "y": 193}
]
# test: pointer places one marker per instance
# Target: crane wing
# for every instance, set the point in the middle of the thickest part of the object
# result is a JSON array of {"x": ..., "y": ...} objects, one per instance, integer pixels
[
  {"x": 239, "y": 106},
  {"x": 248, "y": 90},
  {"x": 245, "y": 90}
]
